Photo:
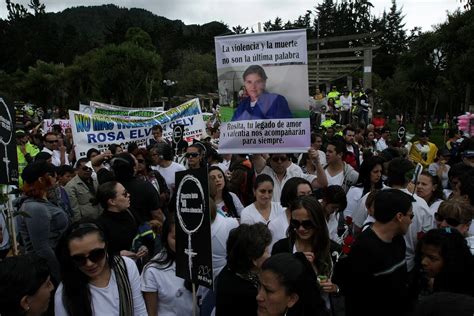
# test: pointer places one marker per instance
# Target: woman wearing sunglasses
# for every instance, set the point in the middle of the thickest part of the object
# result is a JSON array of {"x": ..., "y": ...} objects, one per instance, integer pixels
[
  {"x": 457, "y": 214},
  {"x": 294, "y": 188},
  {"x": 164, "y": 292},
  {"x": 194, "y": 156},
  {"x": 94, "y": 281},
  {"x": 147, "y": 174},
  {"x": 263, "y": 210},
  {"x": 119, "y": 224},
  {"x": 308, "y": 233}
]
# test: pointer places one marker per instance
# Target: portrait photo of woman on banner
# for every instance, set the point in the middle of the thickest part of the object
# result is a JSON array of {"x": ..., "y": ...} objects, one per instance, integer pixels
[{"x": 257, "y": 103}]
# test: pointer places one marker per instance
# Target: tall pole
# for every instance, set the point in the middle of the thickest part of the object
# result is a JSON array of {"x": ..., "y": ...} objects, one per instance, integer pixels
[
  {"x": 368, "y": 68},
  {"x": 317, "y": 55}
]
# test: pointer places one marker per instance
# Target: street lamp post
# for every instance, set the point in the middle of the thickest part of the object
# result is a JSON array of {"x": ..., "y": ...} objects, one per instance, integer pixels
[{"x": 168, "y": 84}]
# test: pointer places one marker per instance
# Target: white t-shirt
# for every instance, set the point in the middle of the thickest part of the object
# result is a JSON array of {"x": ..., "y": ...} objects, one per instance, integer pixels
[
  {"x": 173, "y": 298},
  {"x": 332, "y": 224},
  {"x": 106, "y": 301},
  {"x": 353, "y": 196},
  {"x": 237, "y": 203},
  {"x": 250, "y": 215},
  {"x": 278, "y": 227},
  {"x": 338, "y": 179},
  {"x": 56, "y": 157},
  {"x": 221, "y": 166},
  {"x": 381, "y": 144},
  {"x": 220, "y": 229},
  {"x": 292, "y": 171},
  {"x": 169, "y": 174}
]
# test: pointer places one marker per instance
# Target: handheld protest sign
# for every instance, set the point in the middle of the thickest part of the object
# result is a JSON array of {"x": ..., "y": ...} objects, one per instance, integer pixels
[
  {"x": 401, "y": 132},
  {"x": 178, "y": 133},
  {"x": 193, "y": 227},
  {"x": 8, "y": 174}
]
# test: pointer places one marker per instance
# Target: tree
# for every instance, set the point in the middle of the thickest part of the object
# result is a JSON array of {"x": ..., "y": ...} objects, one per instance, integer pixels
[
  {"x": 196, "y": 73},
  {"x": 122, "y": 73},
  {"x": 239, "y": 29}
]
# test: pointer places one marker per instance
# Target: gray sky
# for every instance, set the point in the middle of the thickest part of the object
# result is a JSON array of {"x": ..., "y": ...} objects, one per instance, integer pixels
[{"x": 424, "y": 13}]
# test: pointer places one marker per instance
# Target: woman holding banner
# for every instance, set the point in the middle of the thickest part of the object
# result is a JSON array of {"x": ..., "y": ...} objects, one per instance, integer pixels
[{"x": 260, "y": 104}]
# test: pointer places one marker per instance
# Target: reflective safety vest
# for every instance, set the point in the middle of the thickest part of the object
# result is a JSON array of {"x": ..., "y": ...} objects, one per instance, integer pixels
[
  {"x": 22, "y": 162},
  {"x": 335, "y": 95}
]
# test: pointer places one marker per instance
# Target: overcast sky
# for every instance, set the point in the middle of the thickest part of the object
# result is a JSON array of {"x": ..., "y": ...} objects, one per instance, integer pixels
[{"x": 424, "y": 13}]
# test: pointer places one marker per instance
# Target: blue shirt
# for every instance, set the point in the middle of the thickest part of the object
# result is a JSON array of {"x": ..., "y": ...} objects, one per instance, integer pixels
[{"x": 268, "y": 106}]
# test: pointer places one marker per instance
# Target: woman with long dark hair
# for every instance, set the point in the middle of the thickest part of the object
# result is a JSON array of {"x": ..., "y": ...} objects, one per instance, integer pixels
[
  {"x": 444, "y": 263},
  {"x": 94, "y": 281},
  {"x": 164, "y": 292},
  {"x": 119, "y": 224},
  {"x": 294, "y": 188},
  {"x": 146, "y": 173},
  {"x": 370, "y": 178},
  {"x": 263, "y": 210},
  {"x": 43, "y": 223},
  {"x": 288, "y": 286},
  {"x": 237, "y": 284},
  {"x": 228, "y": 204},
  {"x": 308, "y": 233},
  {"x": 25, "y": 287}
]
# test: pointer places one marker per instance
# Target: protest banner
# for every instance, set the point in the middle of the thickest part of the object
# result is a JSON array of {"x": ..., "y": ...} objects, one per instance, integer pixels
[
  {"x": 193, "y": 227},
  {"x": 269, "y": 74},
  {"x": 9, "y": 169},
  {"x": 99, "y": 131},
  {"x": 109, "y": 109},
  {"x": 48, "y": 125}
]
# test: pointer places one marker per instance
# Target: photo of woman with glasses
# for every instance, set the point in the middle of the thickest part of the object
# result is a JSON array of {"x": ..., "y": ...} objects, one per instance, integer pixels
[
  {"x": 94, "y": 281},
  {"x": 308, "y": 233},
  {"x": 263, "y": 210}
]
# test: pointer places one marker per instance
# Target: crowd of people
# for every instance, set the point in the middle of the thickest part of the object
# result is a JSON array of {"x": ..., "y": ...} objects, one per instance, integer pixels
[{"x": 361, "y": 224}]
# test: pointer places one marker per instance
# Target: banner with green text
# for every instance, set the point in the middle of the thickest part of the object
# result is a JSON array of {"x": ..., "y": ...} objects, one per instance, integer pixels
[{"x": 99, "y": 130}]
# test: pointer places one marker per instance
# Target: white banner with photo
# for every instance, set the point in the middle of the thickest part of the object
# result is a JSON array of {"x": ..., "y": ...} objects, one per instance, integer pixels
[{"x": 264, "y": 77}]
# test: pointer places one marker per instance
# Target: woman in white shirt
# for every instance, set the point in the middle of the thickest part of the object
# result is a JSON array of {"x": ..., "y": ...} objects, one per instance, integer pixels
[
  {"x": 370, "y": 179},
  {"x": 228, "y": 204},
  {"x": 430, "y": 189},
  {"x": 165, "y": 294},
  {"x": 95, "y": 282},
  {"x": 263, "y": 210}
]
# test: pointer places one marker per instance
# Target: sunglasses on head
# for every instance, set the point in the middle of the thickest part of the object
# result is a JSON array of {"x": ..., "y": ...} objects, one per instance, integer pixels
[
  {"x": 193, "y": 155},
  {"x": 450, "y": 221},
  {"x": 94, "y": 256},
  {"x": 307, "y": 224},
  {"x": 280, "y": 158}
]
